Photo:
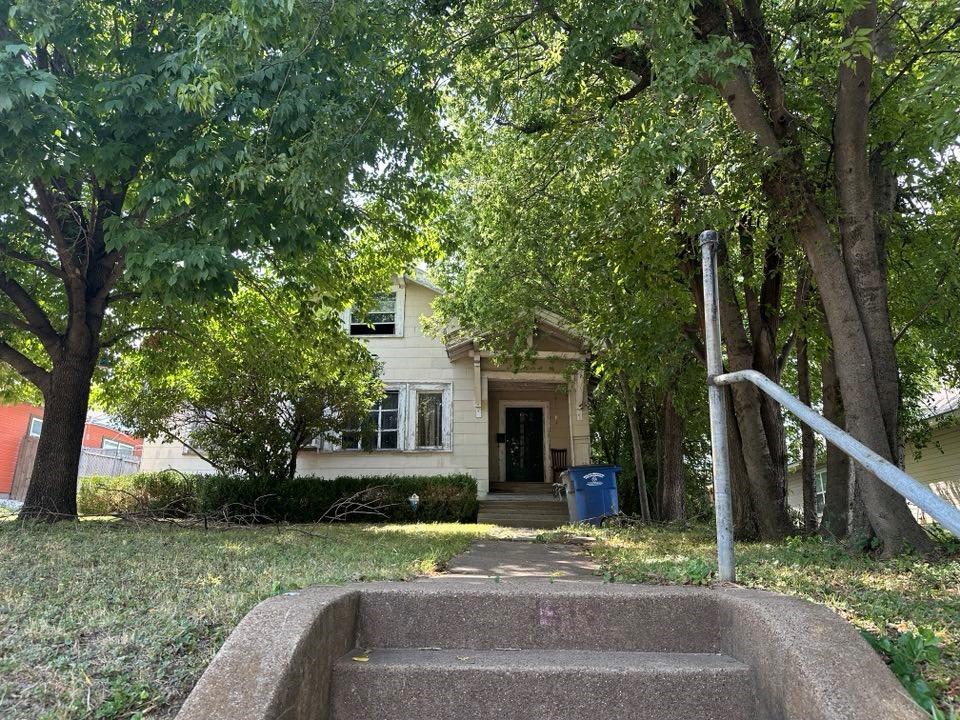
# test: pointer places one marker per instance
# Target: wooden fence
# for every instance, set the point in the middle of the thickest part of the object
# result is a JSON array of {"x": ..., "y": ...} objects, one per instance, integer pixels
[{"x": 93, "y": 461}]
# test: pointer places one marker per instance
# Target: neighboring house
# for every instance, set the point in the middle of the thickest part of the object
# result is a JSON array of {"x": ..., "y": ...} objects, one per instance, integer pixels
[
  {"x": 938, "y": 464},
  {"x": 20, "y": 426},
  {"x": 449, "y": 408}
]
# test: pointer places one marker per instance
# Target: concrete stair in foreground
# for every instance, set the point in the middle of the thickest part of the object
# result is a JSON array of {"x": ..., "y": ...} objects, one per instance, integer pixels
[
  {"x": 471, "y": 655},
  {"x": 455, "y": 684},
  {"x": 451, "y": 650}
]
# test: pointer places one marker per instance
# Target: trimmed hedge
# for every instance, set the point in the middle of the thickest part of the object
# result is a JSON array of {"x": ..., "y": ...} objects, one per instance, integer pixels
[
  {"x": 443, "y": 498},
  {"x": 166, "y": 493}
]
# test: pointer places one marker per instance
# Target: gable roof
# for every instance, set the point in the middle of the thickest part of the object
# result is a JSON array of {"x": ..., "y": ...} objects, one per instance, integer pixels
[
  {"x": 460, "y": 345},
  {"x": 944, "y": 401},
  {"x": 419, "y": 277}
]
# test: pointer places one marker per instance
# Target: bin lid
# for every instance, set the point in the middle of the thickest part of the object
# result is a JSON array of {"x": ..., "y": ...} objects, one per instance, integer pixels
[{"x": 615, "y": 468}]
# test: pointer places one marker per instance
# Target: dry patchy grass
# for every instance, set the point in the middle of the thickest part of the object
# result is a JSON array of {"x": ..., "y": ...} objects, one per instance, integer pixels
[{"x": 101, "y": 619}]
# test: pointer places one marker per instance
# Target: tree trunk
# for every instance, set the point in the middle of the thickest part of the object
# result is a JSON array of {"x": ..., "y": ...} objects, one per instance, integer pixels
[
  {"x": 629, "y": 403},
  {"x": 52, "y": 494},
  {"x": 852, "y": 283},
  {"x": 766, "y": 488},
  {"x": 836, "y": 509},
  {"x": 670, "y": 492},
  {"x": 745, "y": 520},
  {"x": 757, "y": 486},
  {"x": 889, "y": 515},
  {"x": 295, "y": 447},
  {"x": 808, "y": 446},
  {"x": 861, "y": 532}
]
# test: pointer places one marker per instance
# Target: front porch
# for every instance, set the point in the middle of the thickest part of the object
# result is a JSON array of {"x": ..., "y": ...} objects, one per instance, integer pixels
[
  {"x": 537, "y": 427},
  {"x": 535, "y": 422}
]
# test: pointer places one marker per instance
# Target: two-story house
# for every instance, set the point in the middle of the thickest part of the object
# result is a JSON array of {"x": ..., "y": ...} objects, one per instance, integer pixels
[{"x": 449, "y": 407}]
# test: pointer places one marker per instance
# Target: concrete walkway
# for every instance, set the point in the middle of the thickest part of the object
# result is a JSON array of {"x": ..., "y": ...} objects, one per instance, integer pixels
[{"x": 511, "y": 560}]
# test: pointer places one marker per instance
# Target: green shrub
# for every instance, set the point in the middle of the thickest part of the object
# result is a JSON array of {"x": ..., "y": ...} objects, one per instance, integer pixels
[
  {"x": 443, "y": 498},
  {"x": 907, "y": 656},
  {"x": 448, "y": 498},
  {"x": 167, "y": 493}
]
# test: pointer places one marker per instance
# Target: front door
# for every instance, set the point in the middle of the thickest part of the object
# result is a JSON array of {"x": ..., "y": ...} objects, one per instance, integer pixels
[{"x": 524, "y": 444}]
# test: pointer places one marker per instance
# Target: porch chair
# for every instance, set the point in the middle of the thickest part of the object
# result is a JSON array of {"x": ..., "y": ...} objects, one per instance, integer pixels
[{"x": 558, "y": 462}]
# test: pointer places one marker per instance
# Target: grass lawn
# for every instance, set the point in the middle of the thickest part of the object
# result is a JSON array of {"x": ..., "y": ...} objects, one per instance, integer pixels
[
  {"x": 890, "y": 598},
  {"x": 101, "y": 619}
]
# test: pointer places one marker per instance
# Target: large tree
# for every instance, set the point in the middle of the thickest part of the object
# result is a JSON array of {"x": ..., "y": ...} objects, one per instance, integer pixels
[
  {"x": 822, "y": 108},
  {"x": 162, "y": 150},
  {"x": 248, "y": 384}
]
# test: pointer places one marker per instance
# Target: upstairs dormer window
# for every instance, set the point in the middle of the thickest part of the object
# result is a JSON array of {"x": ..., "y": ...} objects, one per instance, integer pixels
[{"x": 381, "y": 320}]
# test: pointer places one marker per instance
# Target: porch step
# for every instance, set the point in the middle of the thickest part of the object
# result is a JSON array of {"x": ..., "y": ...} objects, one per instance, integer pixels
[
  {"x": 457, "y": 684},
  {"x": 529, "y": 511},
  {"x": 540, "y": 488}
]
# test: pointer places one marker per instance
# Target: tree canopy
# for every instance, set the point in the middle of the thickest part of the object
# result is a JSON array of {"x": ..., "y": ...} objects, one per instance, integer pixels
[
  {"x": 598, "y": 141},
  {"x": 247, "y": 385},
  {"x": 163, "y": 151}
]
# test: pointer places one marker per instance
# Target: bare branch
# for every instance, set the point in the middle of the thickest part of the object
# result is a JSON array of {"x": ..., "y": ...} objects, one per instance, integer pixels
[
  {"x": 37, "y": 319},
  {"x": 44, "y": 265},
  {"x": 28, "y": 369}
]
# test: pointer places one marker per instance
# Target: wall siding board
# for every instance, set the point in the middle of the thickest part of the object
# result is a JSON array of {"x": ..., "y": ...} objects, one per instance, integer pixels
[{"x": 937, "y": 466}]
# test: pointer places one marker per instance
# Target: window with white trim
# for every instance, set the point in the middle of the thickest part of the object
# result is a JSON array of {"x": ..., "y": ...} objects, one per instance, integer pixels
[
  {"x": 820, "y": 491},
  {"x": 121, "y": 449},
  {"x": 382, "y": 431},
  {"x": 429, "y": 419},
  {"x": 381, "y": 320},
  {"x": 35, "y": 426},
  {"x": 412, "y": 417}
]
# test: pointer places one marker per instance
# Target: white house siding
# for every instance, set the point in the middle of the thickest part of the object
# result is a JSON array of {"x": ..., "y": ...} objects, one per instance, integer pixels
[
  {"x": 412, "y": 358},
  {"x": 165, "y": 455},
  {"x": 938, "y": 466},
  {"x": 417, "y": 358}
]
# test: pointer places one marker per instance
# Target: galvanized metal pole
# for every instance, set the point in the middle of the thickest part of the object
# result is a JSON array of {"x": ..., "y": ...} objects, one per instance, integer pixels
[
  {"x": 718, "y": 415},
  {"x": 914, "y": 491}
]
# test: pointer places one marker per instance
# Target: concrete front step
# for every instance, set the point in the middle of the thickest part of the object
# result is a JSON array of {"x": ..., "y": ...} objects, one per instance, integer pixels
[
  {"x": 581, "y": 651},
  {"x": 522, "y": 487},
  {"x": 588, "y": 617},
  {"x": 504, "y": 502},
  {"x": 523, "y": 511},
  {"x": 467, "y": 684},
  {"x": 523, "y": 523},
  {"x": 559, "y": 514}
]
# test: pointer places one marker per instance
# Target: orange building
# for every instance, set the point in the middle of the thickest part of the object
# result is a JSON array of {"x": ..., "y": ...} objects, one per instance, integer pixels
[{"x": 21, "y": 421}]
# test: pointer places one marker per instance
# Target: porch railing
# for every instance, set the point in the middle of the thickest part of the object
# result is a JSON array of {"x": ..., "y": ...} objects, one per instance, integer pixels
[{"x": 917, "y": 493}]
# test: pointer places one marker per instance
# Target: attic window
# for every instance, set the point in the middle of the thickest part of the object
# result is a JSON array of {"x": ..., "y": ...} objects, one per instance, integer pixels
[{"x": 381, "y": 320}]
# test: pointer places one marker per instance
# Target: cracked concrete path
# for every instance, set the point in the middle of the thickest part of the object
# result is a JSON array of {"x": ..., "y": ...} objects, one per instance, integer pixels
[{"x": 511, "y": 560}]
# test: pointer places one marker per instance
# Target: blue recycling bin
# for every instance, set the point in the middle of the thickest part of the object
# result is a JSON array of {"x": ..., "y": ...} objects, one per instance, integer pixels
[{"x": 592, "y": 492}]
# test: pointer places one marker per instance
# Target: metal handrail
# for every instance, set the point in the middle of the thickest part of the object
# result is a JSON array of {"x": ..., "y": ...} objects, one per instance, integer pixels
[{"x": 914, "y": 491}]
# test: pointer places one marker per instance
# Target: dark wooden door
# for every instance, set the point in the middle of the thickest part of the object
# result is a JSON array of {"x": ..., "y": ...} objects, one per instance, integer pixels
[{"x": 524, "y": 444}]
